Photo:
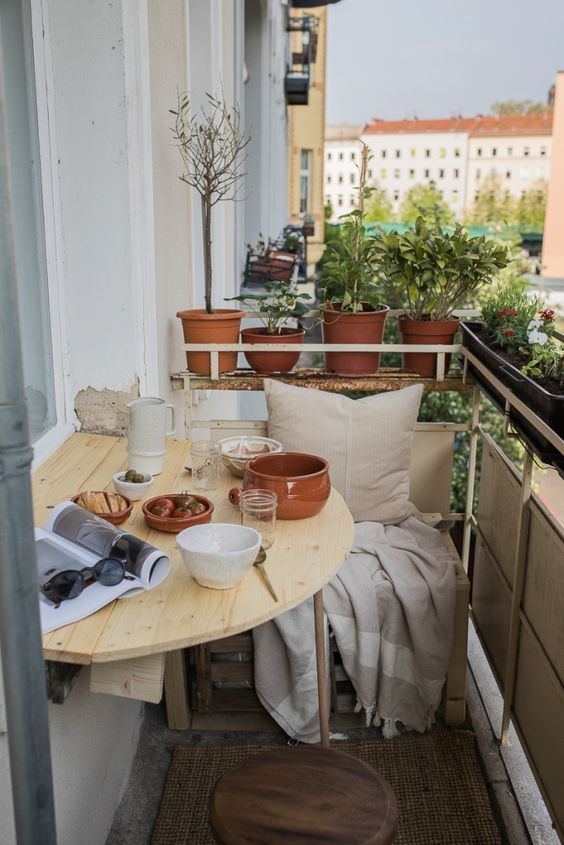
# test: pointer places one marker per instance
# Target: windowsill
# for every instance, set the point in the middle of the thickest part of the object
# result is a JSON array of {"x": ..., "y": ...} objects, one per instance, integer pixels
[{"x": 50, "y": 442}]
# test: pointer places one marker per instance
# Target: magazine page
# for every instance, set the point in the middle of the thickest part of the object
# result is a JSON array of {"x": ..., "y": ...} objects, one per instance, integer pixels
[
  {"x": 55, "y": 555},
  {"x": 98, "y": 536},
  {"x": 75, "y": 539}
]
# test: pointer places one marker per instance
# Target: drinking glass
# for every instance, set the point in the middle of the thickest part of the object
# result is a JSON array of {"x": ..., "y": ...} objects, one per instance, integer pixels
[
  {"x": 258, "y": 511},
  {"x": 205, "y": 457}
]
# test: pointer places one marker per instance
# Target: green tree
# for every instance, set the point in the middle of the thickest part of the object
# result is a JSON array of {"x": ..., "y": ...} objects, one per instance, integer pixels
[
  {"x": 493, "y": 205},
  {"x": 378, "y": 206},
  {"x": 328, "y": 211},
  {"x": 531, "y": 206},
  {"x": 518, "y": 107},
  {"x": 426, "y": 201}
]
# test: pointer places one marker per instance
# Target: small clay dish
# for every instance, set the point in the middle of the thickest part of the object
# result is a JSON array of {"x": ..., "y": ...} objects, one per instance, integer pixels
[
  {"x": 301, "y": 481},
  {"x": 117, "y": 517},
  {"x": 175, "y": 524}
]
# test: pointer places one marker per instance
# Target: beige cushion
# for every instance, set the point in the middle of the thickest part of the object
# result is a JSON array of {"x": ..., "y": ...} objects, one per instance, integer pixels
[{"x": 366, "y": 441}]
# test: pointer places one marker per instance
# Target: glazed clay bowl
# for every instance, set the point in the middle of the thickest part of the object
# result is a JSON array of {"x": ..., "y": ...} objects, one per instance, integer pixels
[
  {"x": 300, "y": 480},
  {"x": 171, "y": 524},
  {"x": 115, "y": 517},
  {"x": 218, "y": 555}
]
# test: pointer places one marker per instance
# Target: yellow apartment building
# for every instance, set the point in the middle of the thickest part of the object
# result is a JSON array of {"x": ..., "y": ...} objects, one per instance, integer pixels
[{"x": 307, "y": 127}]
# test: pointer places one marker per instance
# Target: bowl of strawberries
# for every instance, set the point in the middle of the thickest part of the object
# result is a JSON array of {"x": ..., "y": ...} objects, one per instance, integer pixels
[{"x": 173, "y": 512}]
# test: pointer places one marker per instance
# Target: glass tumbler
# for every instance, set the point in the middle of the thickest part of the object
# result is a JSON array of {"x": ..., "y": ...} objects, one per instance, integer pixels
[
  {"x": 258, "y": 511},
  {"x": 205, "y": 457}
]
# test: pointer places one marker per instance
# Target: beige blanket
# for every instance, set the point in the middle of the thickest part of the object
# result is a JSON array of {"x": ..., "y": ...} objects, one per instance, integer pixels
[{"x": 391, "y": 610}]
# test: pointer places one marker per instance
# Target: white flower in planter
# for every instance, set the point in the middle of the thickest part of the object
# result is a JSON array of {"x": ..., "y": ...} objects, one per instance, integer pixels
[
  {"x": 534, "y": 324},
  {"x": 537, "y": 337}
]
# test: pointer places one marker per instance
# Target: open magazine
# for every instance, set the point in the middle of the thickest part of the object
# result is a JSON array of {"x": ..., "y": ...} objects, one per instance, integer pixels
[{"x": 73, "y": 538}]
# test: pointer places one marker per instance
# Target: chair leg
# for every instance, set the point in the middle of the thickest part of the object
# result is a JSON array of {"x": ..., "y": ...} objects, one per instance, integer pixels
[{"x": 454, "y": 695}]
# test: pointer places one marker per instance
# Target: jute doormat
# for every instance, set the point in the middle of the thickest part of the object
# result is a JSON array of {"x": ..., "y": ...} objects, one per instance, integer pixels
[{"x": 437, "y": 779}]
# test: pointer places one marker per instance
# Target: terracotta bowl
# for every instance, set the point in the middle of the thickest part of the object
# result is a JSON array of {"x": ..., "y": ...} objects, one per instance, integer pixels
[
  {"x": 115, "y": 518},
  {"x": 171, "y": 524},
  {"x": 300, "y": 480}
]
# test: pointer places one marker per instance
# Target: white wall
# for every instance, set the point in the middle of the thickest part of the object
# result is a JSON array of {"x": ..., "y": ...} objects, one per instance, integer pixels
[
  {"x": 93, "y": 742},
  {"x": 91, "y": 116}
]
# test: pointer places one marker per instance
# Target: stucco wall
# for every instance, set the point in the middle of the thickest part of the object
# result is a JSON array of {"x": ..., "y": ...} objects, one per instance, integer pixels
[
  {"x": 553, "y": 245},
  {"x": 93, "y": 742}
]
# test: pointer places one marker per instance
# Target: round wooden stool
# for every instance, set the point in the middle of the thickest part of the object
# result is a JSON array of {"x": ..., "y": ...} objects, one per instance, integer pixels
[{"x": 303, "y": 796}]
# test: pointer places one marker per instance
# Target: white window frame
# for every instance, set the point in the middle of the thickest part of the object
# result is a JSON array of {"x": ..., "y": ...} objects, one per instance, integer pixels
[{"x": 65, "y": 420}]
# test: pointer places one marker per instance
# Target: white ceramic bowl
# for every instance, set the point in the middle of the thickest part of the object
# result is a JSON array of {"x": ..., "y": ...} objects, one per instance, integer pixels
[
  {"x": 237, "y": 451},
  {"x": 129, "y": 488},
  {"x": 218, "y": 554}
]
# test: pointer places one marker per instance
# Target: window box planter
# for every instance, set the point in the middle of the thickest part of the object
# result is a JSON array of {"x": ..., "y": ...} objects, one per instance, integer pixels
[
  {"x": 297, "y": 88},
  {"x": 548, "y": 406}
]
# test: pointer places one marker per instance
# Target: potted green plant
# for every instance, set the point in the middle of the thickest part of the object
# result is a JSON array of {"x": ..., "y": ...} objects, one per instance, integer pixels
[
  {"x": 348, "y": 313},
  {"x": 516, "y": 341},
  {"x": 278, "y": 304},
  {"x": 429, "y": 273},
  {"x": 308, "y": 226},
  {"x": 212, "y": 145}
]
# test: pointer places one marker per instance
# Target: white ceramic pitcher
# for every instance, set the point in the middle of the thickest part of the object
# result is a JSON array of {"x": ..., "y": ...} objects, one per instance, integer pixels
[{"x": 147, "y": 433}]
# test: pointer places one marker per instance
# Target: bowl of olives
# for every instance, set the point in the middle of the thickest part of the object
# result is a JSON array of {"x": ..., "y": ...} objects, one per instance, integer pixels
[{"x": 132, "y": 484}]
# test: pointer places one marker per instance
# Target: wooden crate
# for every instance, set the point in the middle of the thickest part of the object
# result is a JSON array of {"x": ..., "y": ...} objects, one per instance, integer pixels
[
  {"x": 222, "y": 678},
  {"x": 222, "y": 672}
]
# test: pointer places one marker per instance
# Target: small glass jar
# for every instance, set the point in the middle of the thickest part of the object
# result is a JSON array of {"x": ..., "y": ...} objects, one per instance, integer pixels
[
  {"x": 205, "y": 457},
  {"x": 258, "y": 511}
]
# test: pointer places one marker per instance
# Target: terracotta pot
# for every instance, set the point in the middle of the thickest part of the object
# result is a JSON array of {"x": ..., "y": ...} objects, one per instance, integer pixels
[
  {"x": 345, "y": 327},
  {"x": 428, "y": 332},
  {"x": 301, "y": 482},
  {"x": 220, "y": 327},
  {"x": 272, "y": 362}
]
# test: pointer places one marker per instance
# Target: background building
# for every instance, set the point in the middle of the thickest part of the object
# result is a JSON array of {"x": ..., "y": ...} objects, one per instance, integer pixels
[
  {"x": 459, "y": 156},
  {"x": 306, "y": 129},
  {"x": 342, "y": 155},
  {"x": 553, "y": 241}
]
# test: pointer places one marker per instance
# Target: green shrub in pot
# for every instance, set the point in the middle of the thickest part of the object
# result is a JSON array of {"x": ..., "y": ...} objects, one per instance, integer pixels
[
  {"x": 429, "y": 273},
  {"x": 349, "y": 313}
]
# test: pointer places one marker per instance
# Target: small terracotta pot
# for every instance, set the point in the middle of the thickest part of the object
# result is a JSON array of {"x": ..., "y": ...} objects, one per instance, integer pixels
[
  {"x": 272, "y": 362},
  {"x": 301, "y": 482},
  {"x": 220, "y": 327},
  {"x": 345, "y": 327},
  {"x": 427, "y": 332},
  {"x": 170, "y": 524}
]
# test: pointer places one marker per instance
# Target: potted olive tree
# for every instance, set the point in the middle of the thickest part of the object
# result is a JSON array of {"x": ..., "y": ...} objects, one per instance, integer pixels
[
  {"x": 348, "y": 315},
  {"x": 429, "y": 274},
  {"x": 212, "y": 145},
  {"x": 274, "y": 308}
]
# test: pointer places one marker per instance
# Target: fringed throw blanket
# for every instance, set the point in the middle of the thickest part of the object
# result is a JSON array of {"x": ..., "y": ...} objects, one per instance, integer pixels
[{"x": 391, "y": 610}]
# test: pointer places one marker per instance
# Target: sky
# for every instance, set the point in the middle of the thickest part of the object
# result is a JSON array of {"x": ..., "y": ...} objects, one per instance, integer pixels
[{"x": 396, "y": 59}]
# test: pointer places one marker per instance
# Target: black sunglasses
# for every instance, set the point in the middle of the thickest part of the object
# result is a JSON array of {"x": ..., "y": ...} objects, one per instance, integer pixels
[{"x": 69, "y": 583}]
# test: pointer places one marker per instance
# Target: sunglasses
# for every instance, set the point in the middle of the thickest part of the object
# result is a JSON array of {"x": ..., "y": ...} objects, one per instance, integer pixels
[{"x": 69, "y": 583}]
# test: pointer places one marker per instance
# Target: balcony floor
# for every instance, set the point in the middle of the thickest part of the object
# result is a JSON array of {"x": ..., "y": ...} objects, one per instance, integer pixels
[{"x": 138, "y": 810}]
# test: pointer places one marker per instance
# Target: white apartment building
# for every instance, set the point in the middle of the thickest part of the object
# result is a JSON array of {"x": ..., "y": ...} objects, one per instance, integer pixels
[
  {"x": 514, "y": 149},
  {"x": 342, "y": 155},
  {"x": 457, "y": 155}
]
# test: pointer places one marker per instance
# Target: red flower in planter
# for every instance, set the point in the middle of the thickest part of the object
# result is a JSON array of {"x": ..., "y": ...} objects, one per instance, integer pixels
[
  {"x": 509, "y": 332},
  {"x": 547, "y": 315}
]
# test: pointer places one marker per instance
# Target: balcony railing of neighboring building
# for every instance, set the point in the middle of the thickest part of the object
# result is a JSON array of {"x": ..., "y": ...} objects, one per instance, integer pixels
[{"x": 298, "y": 75}]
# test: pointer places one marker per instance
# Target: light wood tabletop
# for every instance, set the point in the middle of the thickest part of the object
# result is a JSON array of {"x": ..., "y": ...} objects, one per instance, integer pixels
[{"x": 178, "y": 613}]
